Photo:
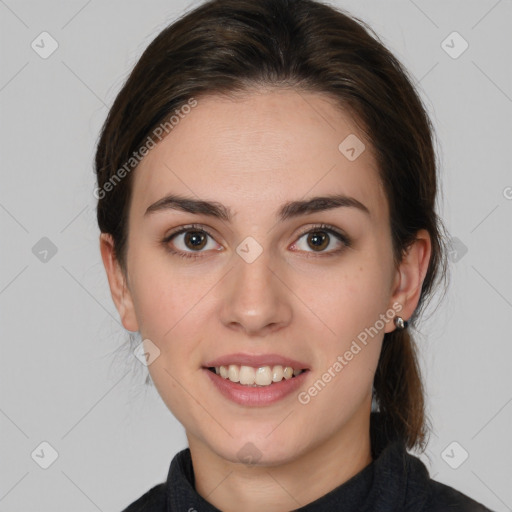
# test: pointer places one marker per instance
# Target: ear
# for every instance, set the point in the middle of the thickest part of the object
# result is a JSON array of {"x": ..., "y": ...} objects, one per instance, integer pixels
[
  {"x": 117, "y": 282},
  {"x": 409, "y": 278}
]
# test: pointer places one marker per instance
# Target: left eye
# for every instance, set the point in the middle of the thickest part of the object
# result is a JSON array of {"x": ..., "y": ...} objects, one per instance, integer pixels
[{"x": 320, "y": 239}]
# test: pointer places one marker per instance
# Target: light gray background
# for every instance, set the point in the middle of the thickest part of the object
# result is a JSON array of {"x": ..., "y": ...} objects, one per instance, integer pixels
[{"x": 66, "y": 378}]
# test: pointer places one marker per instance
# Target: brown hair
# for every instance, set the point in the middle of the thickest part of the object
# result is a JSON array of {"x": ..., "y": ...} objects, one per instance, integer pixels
[{"x": 229, "y": 46}]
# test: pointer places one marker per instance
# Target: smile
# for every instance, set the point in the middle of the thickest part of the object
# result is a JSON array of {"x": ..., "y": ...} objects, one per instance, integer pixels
[
  {"x": 252, "y": 394},
  {"x": 251, "y": 376}
]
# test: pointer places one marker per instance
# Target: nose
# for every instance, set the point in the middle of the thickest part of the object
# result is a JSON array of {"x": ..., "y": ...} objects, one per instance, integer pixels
[{"x": 255, "y": 298}]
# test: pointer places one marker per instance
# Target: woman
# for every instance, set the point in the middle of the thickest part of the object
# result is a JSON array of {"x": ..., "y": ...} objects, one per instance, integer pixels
[{"x": 272, "y": 247}]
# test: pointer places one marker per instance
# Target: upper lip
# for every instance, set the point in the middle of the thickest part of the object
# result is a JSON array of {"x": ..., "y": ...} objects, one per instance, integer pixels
[{"x": 256, "y": 361}]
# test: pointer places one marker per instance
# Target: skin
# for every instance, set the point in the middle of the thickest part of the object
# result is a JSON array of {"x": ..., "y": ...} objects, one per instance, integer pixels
[{"x": 253, "y": 154}]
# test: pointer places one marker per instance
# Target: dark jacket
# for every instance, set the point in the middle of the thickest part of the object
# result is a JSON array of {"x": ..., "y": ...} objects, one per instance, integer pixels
[{"x": 395, "y": 481}]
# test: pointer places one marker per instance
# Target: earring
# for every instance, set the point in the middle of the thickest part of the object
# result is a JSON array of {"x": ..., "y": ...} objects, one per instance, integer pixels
[{"x": 401, "y": 323}]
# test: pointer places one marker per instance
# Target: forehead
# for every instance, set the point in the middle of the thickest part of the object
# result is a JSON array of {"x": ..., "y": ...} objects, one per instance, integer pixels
[{"x": 260, "y": 149}]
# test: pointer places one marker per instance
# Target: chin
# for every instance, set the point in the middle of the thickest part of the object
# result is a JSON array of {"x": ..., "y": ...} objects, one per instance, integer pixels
[{"x": 260, "y": 451}]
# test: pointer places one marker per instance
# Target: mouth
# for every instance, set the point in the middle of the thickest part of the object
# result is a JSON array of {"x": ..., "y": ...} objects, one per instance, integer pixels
[
  {"x": 262, "y": 376},
  {"x": 256, "y": 386}
]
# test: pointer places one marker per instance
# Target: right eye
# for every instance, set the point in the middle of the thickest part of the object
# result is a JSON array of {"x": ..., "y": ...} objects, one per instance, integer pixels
[{"x": 188, "y": 240}]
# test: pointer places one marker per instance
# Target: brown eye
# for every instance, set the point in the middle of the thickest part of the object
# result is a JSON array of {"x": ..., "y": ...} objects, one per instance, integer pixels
[
  {"x": 318, "y": 240},
  {"x": 195, "y": 239},
  {"x": 190, "y": 242}
]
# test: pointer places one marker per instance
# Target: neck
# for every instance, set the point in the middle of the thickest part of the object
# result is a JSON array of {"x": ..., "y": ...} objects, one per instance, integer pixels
[{"x": 232, "y": 486}]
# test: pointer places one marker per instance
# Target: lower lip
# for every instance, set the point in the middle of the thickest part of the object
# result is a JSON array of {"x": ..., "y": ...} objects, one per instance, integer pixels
[{"x": 256, "y": 396}]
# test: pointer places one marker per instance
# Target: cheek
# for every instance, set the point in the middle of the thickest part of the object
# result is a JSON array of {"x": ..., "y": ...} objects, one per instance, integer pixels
[
  {"x": 165, "y": 294},
  {"x": 170, "y": 304},
  {"x": 349, "y": 358},
  {"x": 346, "y": 326},
  {"x": 168, "y": 308},
  {"x": 347, "y": 301}
]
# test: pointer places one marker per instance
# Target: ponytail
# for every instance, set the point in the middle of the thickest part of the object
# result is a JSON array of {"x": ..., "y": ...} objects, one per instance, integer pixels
[{"x": 398, "y": 389}]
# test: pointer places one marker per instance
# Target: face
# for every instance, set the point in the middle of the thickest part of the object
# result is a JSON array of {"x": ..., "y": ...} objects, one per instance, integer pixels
[{"x": 257, "y": 279}]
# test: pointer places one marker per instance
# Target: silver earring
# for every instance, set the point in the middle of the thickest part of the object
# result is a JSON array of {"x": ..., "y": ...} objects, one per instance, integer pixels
[{"x": 401, "y": 323}]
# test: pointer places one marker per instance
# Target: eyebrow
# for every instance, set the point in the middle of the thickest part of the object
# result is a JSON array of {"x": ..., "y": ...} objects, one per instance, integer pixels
[{"x": 287, "y": 211}]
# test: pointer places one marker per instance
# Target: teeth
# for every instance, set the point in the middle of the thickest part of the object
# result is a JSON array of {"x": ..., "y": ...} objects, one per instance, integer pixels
[
  {"x": 277, "y": 373},
  {"x": 247, "y": 375},
  {"x": 262, "y": 376},
  {"x": 234, "y": 373},
  {"x": 288, "y": 372}
]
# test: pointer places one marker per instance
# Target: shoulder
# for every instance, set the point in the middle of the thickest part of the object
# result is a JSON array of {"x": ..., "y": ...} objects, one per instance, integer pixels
[
  {"x": 427, "y": 495},
  {"x": 445, "y": 498},
  {"x": 152, "y": 501}
]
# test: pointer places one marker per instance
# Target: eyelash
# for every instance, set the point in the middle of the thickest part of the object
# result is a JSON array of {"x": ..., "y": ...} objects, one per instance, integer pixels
[{"x": 319, "y": 227}]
